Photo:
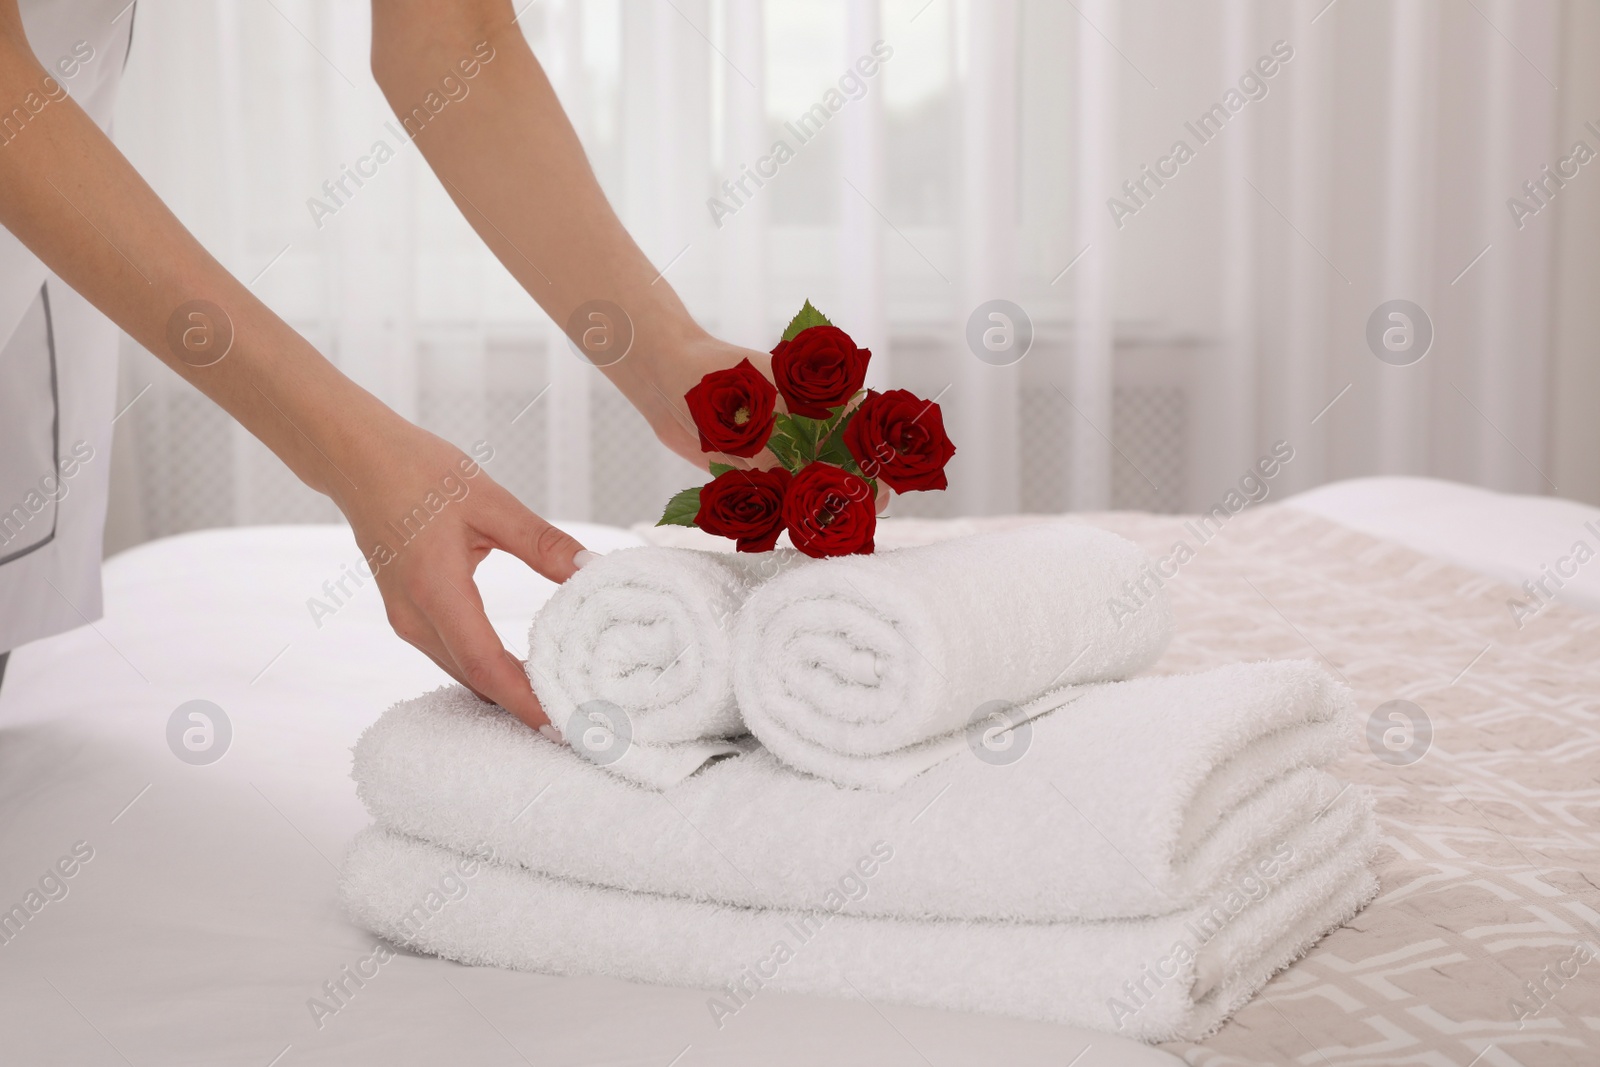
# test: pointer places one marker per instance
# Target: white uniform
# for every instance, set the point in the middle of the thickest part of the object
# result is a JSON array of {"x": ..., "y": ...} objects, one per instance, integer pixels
[{"x": 58, "y": 359}]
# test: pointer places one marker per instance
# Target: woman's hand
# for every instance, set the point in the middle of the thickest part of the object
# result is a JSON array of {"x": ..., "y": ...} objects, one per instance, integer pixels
[
  {"x": 656, "y": 384},
  {"x": 425, "y": 515}
]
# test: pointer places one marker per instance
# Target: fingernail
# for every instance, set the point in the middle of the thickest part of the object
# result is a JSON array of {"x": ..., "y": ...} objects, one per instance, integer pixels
[
  {"x": 550, "y": 733},
  {"x": 583, "y": 557}
]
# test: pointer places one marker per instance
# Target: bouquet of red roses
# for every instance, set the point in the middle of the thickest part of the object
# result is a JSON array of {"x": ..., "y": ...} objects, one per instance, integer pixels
[{"x": 833, "y": 446}]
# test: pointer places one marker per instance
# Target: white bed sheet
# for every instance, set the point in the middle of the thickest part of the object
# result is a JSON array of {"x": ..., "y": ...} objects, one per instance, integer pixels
[
  {"x": 1512, "y": 538},
  {"x": 207, "y": 919}
]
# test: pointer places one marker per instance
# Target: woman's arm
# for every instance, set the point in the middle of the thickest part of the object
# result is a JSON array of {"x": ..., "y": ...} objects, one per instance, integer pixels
[
  {"x": 76, "y": 203},
  {"x": 507, "y": 154}
]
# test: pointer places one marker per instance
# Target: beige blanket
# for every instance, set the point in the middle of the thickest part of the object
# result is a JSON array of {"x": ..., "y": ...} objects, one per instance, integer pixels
[{"x": 1483, "y": 947}]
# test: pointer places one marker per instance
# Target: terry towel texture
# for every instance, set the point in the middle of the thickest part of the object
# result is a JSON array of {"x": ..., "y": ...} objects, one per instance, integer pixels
[
  {"x": 1141, "y": 856},
  {"x": 647, "y": 631},
  {"x": 1153, "y": 979},
  {"x": 1162, "y": 847},
  {"x": 1138, "y": 798},
  {"x": 866, "y": 670}
]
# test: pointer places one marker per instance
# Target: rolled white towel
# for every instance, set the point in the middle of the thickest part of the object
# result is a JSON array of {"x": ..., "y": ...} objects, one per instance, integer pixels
[
  {"x": 631, "y": 658},
  {"x": 868, "y": 670}
]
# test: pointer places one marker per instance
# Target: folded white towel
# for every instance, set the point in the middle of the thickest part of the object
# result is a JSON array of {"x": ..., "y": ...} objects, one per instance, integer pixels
[
  {"x": 630, "y": 658},
  {"x": 867, "y": 670},
  {"x": 1138, "y": 798},
  {"x": 1160, "y": 979}
]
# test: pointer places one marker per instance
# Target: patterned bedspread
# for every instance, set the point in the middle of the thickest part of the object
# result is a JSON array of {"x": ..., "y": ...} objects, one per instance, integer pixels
[{"x": 1483, "y": 947}]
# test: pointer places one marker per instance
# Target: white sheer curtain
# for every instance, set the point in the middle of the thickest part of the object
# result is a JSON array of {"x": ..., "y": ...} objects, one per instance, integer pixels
[{"x": 1220, "y": 310}]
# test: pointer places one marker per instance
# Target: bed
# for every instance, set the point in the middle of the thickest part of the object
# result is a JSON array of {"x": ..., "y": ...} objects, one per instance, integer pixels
[{"x": 200, "y": 919}]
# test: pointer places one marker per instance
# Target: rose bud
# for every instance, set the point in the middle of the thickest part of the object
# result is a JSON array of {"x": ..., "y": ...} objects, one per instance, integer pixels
[
  {"x": 899, "y": 437},
  {"x": 732, "y": 409},
  {"x": 830, "y": 512},
  {"x": 745, "y": 505},
  {"x": 818, "y": 369}
]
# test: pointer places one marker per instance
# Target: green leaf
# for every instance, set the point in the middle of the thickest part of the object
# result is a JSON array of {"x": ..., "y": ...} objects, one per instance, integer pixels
[
  {"x": 797, "y": 440},
  {"x": 799, "y": 434},
  {"x": 836, "y": 452},
  {"x": 719, "y": 469},
  {"x": 782, "y": 445},
  {"x": 830, "y": 446},
  {"x": 857, "y": 395},
  {"x": 808, "y": 434},
  {"x": 843, "y": 413},
  {"x": 807, "y": 318},
  {"x": 682, "y": 508}
]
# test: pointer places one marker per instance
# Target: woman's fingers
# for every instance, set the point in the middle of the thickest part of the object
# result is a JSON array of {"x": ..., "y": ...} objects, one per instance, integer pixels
[
  {"x": 428, "y": 587},
  {"x": 442, "y": 661},
  {"x": 470, "y": 645},
  {"x": 414, "y": 629},
  {"x": 550, "y": 551},
  {"x": 412, "y": 625},
  {"x": 546, "y": 549}
]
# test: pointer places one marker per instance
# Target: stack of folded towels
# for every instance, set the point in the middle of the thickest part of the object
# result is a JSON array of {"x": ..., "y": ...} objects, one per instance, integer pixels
[{"x": 923, "y": 776}]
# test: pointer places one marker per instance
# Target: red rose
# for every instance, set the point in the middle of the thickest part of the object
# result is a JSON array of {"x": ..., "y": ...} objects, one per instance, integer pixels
[
  {"x": 820, "y": 368},
  {"x": 732, "y": 409},
  {"x": 745, "y": 505},
  {"x": 900, "y": 438},
  {"x": 830, "y": 512}
]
